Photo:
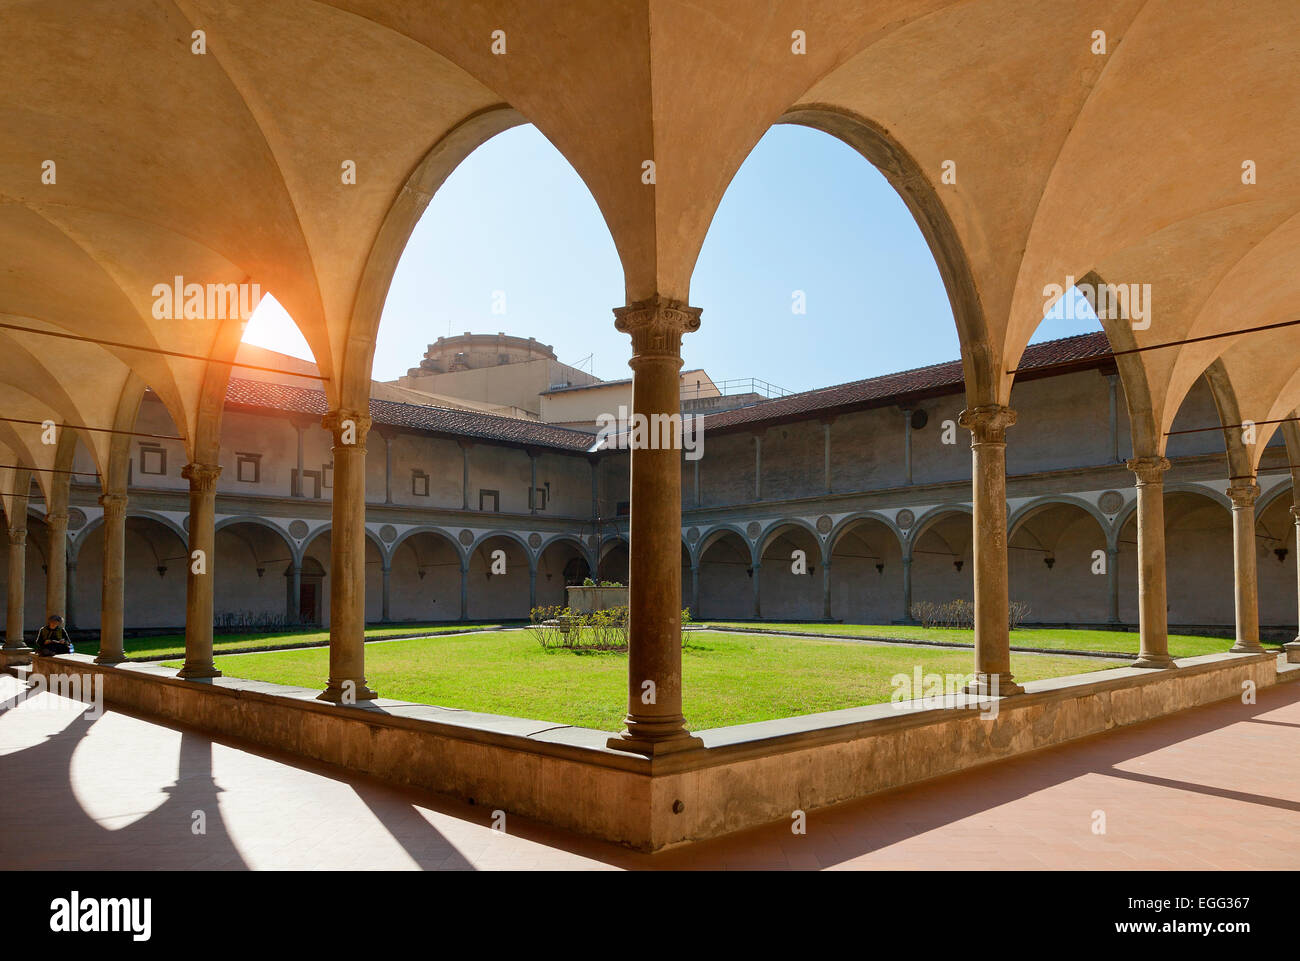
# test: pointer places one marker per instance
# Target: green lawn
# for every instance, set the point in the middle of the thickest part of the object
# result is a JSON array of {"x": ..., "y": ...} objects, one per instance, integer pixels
[
  {"x": 1121, "y": 642},
  {"x": 728, "y": 678},
  {"x": 165, "y": 644}
]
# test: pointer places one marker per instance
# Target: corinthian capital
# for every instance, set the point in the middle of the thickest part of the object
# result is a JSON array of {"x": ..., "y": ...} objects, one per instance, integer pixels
[
  {"x": 202, "y": 477},
  {"x": 657, "y": 325},
  {"x": 349, "y": 428},
  {"x": 17, "y": 536},
  {"x": 1149, "y": 470},
  {"x": 988, "y": 424},
  {"x": 113, "y": 504},
  {"x": 1243, "y": 495}
]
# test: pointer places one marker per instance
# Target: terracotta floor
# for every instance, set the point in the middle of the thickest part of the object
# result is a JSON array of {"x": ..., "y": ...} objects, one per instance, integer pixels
[{"x": 1216, "y": 787}]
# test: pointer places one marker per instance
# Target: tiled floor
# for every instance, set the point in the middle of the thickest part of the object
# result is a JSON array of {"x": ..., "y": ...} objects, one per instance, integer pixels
[{"x": 1217, "y": 787}]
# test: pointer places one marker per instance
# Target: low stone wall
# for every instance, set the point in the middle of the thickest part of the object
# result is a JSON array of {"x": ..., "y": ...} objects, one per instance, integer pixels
[{"x": 746, "y": 775}]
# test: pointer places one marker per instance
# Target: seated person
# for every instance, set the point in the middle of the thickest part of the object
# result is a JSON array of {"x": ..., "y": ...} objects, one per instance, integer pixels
[{"x": 53, "y": 637}]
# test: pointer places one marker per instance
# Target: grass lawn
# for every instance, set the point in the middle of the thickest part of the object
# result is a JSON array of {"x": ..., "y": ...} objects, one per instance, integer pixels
[
  {"x": 175, "y": 643},
  {"x": 1122, "y": 642},
  {"x": 728, "y": 678}
]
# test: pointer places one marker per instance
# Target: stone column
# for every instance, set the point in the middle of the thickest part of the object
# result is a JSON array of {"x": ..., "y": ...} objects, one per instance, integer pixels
[
  {"x": 199, "y": 571},
  {"x": 56, "y": 575},
  {"x": 1112, "y": 584},
  {"x": 695, "y": 592},
  {"x": 1245, "y": 574},
  {"x": 464, "y": 588},
  {"x": 757, "y": 589},
  {"x": 70, "y": 615},
  {"x": 1153, "y": 606},
  {"x": 295, "y": 593},
  {"x": 112, "y": 597},
  {"x": 1293, "y": 649},
  {"x": 907, "y": 587},
  {"x": 388, "y": 473},
  {"x": 386, "y": 573},
  {"x": 655, "y": 724},
  {"x": 988, "y": 426},
  {"x": 347, "y": 680},
  {"x": 14, "y": 641},
  {"x": 532, "y": 585},
  {"x": 907, "y": 446},
  {"x": 464, "y": 474},
  {"x": 826, "y": 590}
]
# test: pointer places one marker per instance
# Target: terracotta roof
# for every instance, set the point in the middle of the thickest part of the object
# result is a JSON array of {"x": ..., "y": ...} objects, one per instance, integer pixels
[
  {"x": 1085, "y": 350},
  {"x": 438, "y": 420},
  {"x": 1082, "y": 351}
]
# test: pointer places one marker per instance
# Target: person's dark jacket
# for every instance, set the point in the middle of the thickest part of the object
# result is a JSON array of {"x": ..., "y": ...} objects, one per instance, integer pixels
[{"x": 53, "y": 641}]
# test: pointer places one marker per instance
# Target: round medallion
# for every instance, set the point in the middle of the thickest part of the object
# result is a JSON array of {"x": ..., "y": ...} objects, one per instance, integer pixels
[
  {"x": 1111, "y": 502},
  {"x": 693, "y": 534},
  {"x": 905, "y": 519},
  {"x": 185, "y": 522},
  {"x": 388, "y": 533},
  {"x": 76, "y": 519},
  {"x": 754, "y": 529},
  {"x": 298, "y": 530},
  {"x": 824, "y": 524},
  {"x": 534, "y": 541},
  {"x": 466, "y": 537}
]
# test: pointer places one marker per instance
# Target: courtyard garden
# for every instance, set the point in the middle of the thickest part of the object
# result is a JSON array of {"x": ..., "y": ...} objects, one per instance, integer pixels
[
  {"x": 1048, "y": 638},
  {"x": 727, "y": 678}
]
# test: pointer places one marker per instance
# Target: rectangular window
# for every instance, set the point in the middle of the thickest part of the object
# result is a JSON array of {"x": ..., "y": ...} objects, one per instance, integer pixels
[
  {"x": 153, "y": 459},
  {"x": 248, "y": 468},
  {"x": 489, "y": 501},
  {"x": 538, "y": 500},
  {"x": 326, "y": 475},
  {"x": 419, "y": 483}
]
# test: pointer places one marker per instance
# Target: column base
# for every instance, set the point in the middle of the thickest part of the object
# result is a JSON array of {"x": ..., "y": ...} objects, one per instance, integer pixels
[
  {"x": 347, "y": 692},
  {"x": 655, "y": 738},
  {"x": 1246, "y": 647},
  {"x": 1292, "y": 651},
  {"x": 108, "y": 660},
  {"x": 993, "y": 685},
  {"x": 16, "y": 648},
  {"x": 197, "y": 672},
  {"x": 15, "y": 658},
  {"x": 1156, "y": 661}
]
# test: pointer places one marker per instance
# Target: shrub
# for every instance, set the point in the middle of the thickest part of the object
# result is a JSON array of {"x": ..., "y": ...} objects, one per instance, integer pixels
[{"x": 959, "y": 614}]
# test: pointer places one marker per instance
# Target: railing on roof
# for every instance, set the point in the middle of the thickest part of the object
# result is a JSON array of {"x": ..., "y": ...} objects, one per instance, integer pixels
[{"x": 728, "y": 388}]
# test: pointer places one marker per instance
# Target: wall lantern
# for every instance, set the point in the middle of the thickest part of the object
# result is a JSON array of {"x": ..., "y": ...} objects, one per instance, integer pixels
[
  {"x": 1281, "y": 555},
  {"x": 261, "y": 571},
  {"x": 162, "y": 570},
  {"x": 880, "y": 568},
  {"x": 957, "y": 564},
  {"x": 1050, "y": 561}
]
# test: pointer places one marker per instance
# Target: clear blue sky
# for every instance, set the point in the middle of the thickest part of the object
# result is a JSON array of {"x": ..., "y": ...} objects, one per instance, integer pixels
[{"x": 804, "y": 213}]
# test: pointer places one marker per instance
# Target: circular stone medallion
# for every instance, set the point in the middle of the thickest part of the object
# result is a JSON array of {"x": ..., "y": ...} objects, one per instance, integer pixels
[
  {"x": 905, "y": 519},
  {"x": 298, "y": 530},
  {"x": 1111, "y": 502}
]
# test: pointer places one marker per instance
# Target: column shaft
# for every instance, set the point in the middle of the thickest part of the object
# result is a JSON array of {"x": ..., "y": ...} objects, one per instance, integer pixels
[
  {"x": 907, "y": 588},
  {"x": 1153, "y": 606},
  {"x": 1245, "y": 570},
  {"x": 655, "y": 724},
  {"x": 1112, "y": 585},
  {"x": 14, "y": 640},
  {"x": 112, "y": 597},
  {"x": 989, "y": 546},
  {"x": 1293, "y": 648},
  {"x": 56, "y": 575},
  {"x": 347, "y": 680},
  {"x": 199, "y": 571},
  {"x": 826, "y": 590}
]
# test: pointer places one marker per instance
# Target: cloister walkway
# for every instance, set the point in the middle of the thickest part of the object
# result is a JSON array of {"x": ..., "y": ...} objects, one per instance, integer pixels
[{"x": 1217, "y": 787}]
